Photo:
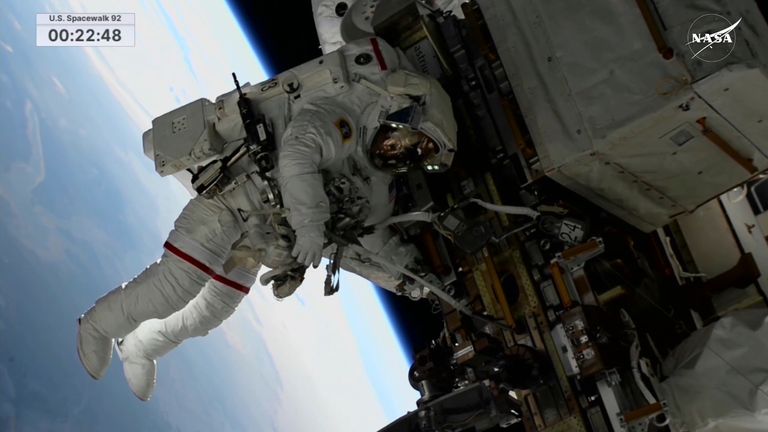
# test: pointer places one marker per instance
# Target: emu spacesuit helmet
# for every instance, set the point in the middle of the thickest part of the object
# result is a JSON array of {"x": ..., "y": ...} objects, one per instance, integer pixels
[{"x": 415, "y": 126}]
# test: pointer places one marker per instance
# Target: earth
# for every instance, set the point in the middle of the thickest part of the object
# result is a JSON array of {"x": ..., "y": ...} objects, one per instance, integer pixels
[{"x": 82, "y": 210}]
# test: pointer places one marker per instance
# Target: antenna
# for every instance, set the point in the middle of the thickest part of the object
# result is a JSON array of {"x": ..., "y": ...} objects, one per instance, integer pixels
[{"x": 237, "y": 84}]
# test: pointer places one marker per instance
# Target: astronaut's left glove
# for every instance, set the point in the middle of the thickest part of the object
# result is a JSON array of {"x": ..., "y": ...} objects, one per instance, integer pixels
[
  {"x": 284, "y": 280},
  {"x": 309, "y": 245}
]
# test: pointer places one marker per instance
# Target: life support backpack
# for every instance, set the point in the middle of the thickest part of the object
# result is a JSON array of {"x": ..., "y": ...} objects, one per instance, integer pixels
[{"x": 203, "y": 131}]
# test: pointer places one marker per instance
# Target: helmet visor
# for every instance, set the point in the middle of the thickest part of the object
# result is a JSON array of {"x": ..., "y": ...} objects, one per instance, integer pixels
[
  {"x": 409, "y": 117},
  {"x": 399, "y": 148}
]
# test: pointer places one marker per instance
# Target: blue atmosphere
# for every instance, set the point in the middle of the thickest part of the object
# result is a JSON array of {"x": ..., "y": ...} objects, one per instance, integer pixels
[{"x": 82, "y": 210}]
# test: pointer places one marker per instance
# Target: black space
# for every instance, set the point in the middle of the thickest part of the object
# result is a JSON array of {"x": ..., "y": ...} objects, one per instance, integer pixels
[
  {"x": 416, "y": 323},
  {"x": 283, "y": 34}
]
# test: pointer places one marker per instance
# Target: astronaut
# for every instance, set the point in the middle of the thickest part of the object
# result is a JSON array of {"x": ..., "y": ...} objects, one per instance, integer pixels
[
  {"x": 342, "y": 137},
  {"x": 336, "y": 165}
]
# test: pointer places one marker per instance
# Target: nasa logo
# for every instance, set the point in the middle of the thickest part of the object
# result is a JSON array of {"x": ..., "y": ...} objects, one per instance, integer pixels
[
  {"x": 711, "y": 38},
  {"x": 345, "y": 129}
]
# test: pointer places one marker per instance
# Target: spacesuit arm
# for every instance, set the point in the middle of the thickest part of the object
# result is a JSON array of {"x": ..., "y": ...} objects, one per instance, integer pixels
[{"x": 310, "y": 143}]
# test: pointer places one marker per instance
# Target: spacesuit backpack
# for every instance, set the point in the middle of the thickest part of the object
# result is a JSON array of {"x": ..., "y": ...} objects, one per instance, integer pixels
[{"x": 203, "y": 142}]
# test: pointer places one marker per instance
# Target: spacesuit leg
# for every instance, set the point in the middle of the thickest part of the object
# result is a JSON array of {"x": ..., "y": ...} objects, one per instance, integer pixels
[
  {"x": 155, "y": 338},
  {"x": 196, "y": 248}
]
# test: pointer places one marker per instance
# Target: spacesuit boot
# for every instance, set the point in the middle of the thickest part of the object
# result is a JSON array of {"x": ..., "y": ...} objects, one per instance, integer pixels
[
  {"x": 93, "y": 348},
  {"x": 140, "y": 349},
  {"x": 139, "y": 370},
  {"x": 203, "y": 236},
  {"x": 121, "y": 310}
]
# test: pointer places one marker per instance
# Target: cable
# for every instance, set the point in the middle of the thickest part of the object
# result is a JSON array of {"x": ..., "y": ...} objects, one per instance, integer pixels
[
  {"x": 513, "y": 210},
  {"x": 408, "y": 217},
  {"x": 676, "y": 264},
  {"x": 430, "y": 217},
  {"x": 634, "y": 357},
  {"x": 438, "y": 292}
]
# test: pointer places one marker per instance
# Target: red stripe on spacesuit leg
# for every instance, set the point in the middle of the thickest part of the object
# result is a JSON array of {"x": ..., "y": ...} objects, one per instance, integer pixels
[
  {"x": 205, "y": 269},
  {"x": 379, "y": 55},
  {"x": 230, "y": 283}
]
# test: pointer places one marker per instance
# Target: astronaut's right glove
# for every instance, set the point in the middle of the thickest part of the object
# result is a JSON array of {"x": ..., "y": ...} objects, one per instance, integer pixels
[{"x": 309, "y": 245}]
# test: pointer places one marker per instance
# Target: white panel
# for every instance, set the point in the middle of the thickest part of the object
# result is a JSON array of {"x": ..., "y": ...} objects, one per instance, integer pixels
[
  {"x": 709, "y": 238},
  {"x": 739, "y": 95},
  {"x": 619, "y": 191},
  {"x": 604, "y": 108},
  {"x": 762, "y": 222},
  {"x": 690, "y": 173},
  {"x": 751, "y": 238}
]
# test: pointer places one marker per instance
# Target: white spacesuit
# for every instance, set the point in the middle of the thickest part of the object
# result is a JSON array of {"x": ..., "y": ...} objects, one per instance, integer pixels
[
  {"x": 190, "y": 278},
  {"x": 336, "y": 162},
  {"x": 324, "y": 125}
]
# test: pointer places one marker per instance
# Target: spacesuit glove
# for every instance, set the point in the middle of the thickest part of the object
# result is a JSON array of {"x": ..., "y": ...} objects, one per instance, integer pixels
[
  {"x": 284, "y": 280},
  {"x": 309, "y": 245}
]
